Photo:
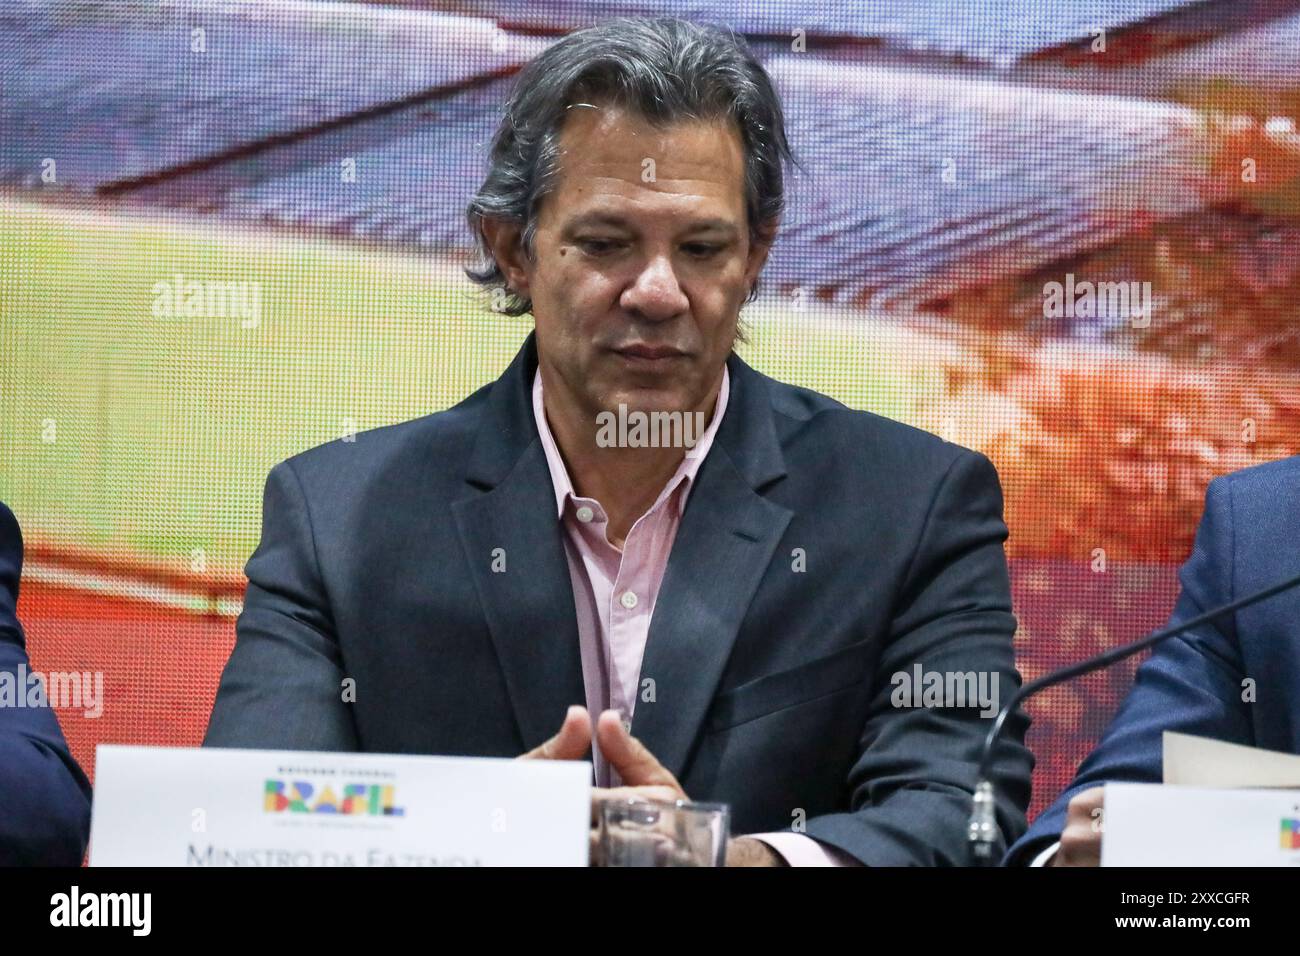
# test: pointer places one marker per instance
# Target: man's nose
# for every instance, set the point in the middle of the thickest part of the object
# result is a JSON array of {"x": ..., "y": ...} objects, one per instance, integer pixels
[{"x": 656, "y": 294}]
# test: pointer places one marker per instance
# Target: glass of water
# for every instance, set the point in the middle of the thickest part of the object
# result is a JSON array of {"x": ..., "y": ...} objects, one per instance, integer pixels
[{"x": 637, "y": 832}]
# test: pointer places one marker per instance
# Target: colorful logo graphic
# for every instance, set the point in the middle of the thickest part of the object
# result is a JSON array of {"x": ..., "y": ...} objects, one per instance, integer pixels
[
  {"x": 359, "y": 799},
  {"x": 1290, "y": 833}
]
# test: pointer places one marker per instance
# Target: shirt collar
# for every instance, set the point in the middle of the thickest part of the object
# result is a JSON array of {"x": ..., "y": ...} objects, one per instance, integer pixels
[{"x": 686, "y": 470}]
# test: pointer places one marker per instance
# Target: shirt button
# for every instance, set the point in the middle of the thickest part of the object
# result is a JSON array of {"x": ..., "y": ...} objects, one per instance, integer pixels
[
  {"x": 628, "y": 600},
  {"x": 627, "y": 722},
  {"x": 585, "y": 514}
]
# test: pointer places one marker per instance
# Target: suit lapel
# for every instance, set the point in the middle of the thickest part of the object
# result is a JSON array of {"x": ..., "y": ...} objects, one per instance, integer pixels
[
  {"x": 529, "y": 605},
  {"x": 724, "y": 544}
]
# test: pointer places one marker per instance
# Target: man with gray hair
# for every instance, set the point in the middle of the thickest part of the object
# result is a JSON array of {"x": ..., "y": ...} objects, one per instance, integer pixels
[{"x": 717, "y": 622}]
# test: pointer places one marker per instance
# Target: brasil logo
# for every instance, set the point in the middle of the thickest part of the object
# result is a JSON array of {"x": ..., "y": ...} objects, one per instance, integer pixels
[
  {"x": 359, "y": 799},
  {"x": 1290, "y": 834}
]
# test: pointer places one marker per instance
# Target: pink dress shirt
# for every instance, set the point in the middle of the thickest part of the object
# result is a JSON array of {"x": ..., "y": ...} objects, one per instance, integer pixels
[{"x": 614, "y": 593}]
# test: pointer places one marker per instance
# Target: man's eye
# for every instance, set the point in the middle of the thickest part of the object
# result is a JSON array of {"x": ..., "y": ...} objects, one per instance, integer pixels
[
  {"x": 597, "y": 246},
  {"x": 703, "y": 250}
]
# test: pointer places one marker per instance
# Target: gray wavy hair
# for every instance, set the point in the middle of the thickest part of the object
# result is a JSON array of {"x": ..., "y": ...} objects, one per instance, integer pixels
[{"x": 664, "y": 69}]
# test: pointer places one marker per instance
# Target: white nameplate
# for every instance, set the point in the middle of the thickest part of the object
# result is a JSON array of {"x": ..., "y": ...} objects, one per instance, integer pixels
[
  {"x": 1154, "y": 825},
  {"x": 161, "y": 806}
]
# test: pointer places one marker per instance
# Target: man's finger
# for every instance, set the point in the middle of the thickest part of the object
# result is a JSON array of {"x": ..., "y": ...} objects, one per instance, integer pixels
[
  {"x": 635, "y": 764},
  {"x": 571, "y": 743}
]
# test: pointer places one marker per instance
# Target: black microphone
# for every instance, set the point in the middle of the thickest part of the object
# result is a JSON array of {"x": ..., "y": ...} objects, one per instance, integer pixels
[{"x": 982, "y": 831}]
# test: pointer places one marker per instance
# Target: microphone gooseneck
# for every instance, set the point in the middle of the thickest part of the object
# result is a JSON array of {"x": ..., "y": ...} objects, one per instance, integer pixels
[{"x": 982, "y": 832}]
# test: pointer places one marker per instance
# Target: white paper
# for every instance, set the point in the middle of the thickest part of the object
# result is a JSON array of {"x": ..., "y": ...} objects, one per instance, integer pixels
[
  {"x": 158, "y": 806},
  {"x": 1202, "y": 762},
  {"x": 1155, "y": 825}
]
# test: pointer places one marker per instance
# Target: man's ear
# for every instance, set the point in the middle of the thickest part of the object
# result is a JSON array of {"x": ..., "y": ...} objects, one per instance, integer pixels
[{"x": 503, "y": 238}]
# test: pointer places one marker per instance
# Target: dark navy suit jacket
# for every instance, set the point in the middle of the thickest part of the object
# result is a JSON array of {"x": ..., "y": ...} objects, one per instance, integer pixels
[
  {"x": 821, "y": 551},
  {"x": 44, "y": 796},
  {"x": 1249, "y": 538}
]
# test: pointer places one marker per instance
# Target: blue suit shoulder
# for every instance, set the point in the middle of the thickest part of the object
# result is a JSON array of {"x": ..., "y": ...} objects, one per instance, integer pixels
[
  {"x": 344, "y": 467},
  {"x": 1248, "y": 514},
  {"x": 1192, "y": 683},
  {"x": 1261, "y": 479},
  {"x": 887, "y": 449},
  {"x": 44, "y": 793}
]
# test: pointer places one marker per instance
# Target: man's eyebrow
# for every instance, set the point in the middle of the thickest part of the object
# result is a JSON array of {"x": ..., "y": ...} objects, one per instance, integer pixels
[
  {"x": 620, "y": 222},
  {"x": 713, "y": 225}
]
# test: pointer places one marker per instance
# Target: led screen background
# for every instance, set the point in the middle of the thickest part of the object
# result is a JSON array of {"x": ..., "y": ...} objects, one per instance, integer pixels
[{"x": 314, "y": 160}]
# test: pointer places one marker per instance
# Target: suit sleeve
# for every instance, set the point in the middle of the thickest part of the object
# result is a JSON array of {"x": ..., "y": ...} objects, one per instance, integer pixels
[
  {"x": 912, "y": 785},
  {"x": 283, "y": 685},
  {"x": 1190, "y": 684},
  {"x": 44, "y": 795}
]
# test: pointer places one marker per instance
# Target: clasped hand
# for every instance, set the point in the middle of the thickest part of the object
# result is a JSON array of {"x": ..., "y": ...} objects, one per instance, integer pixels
[{"x": 644, "y": 777}]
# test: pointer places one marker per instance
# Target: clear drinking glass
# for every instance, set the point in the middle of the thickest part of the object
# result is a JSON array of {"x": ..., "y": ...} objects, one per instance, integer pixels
[{"x": 636, "y": 832}]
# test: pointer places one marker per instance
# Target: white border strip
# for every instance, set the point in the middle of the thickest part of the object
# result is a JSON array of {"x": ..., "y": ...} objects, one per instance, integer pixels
[{"x": 132, "y": 589}]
